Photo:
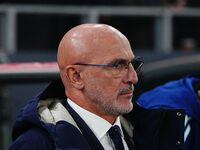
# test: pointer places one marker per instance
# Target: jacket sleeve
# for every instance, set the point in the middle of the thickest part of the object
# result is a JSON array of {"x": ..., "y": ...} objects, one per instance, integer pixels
[{"x": 33, "y": 139}]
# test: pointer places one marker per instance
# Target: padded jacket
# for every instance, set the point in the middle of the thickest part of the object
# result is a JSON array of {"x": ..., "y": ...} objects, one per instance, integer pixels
[{"x": 48, "y": 123}]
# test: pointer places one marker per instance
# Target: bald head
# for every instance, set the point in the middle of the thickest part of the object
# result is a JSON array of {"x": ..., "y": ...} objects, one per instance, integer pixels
[
  {"x": 88, "y": 43},
  {"x": 84, "y": 42}
]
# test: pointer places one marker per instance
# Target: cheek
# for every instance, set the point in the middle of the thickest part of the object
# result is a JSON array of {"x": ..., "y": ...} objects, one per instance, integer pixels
[
  {"x": 110, "y": 86},
  {"x": 104, "y": 81}
]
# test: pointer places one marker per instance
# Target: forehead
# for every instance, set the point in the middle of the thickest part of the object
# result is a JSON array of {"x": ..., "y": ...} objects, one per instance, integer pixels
[
  {"x": 126, "y": 54},
  {"x": 109, "y": 46},
  {"x": 120, "y": 48},
  {"x": 119, "y": 51}
]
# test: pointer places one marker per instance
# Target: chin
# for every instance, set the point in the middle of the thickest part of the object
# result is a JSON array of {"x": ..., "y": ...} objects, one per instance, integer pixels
[
  {"x": 119, "y": 107},
  {"x": 126, "y": 107},
  {"x": 125, "y": 100}
]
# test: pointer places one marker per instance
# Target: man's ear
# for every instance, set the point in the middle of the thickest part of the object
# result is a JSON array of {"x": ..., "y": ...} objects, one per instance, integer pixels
[{"x": 73, "y": 75}]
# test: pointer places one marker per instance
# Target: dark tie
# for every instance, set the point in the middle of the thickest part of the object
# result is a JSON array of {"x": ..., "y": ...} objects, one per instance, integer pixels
[{"x": 115, "y": 135}]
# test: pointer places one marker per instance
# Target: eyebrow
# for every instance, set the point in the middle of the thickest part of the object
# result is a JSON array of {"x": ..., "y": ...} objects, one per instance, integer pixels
[{"x": 120, "y": 59}]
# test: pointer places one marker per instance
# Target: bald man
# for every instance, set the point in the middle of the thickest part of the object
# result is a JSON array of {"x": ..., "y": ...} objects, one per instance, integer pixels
[{"x": 91, "y": 107}]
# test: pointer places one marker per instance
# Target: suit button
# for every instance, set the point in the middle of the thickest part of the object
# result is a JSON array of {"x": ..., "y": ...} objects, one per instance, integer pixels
[
  {"x": 179, "y": 114},
  {"x": 178, "y": 143}
]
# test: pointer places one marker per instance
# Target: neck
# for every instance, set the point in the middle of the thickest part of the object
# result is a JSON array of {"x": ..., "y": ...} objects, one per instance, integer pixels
[{"x": 95, "y": 109}]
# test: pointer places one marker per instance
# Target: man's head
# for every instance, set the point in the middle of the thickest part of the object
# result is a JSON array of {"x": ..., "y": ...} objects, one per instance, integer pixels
[{"x": 101, "y": 89}]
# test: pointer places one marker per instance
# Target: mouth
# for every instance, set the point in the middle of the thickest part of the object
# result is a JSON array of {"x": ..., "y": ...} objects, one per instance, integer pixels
[{"x": 127, "y": 92}]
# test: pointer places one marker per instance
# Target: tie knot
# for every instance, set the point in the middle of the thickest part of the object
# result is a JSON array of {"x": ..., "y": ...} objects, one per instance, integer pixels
[
  {"x": 115, "y": 129},
  {"x": 115, "y": 134}
]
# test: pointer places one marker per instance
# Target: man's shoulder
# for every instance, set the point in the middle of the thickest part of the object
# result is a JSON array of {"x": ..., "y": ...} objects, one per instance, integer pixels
[{"x": 33, "y": 139}]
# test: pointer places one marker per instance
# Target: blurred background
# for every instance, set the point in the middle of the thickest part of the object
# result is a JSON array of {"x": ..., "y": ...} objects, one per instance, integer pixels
[{"x": 164, "y": 32}]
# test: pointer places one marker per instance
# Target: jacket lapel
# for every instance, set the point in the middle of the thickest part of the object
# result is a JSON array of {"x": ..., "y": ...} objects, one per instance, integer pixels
[{"x": 86, "y": 131}]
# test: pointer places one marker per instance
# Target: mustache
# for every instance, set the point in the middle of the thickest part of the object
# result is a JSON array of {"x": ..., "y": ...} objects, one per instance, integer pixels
[{"x": 126, "y": 90}]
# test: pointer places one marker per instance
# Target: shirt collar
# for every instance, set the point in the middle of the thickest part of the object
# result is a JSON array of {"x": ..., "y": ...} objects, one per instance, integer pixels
[{"x": 98, "y": 125}]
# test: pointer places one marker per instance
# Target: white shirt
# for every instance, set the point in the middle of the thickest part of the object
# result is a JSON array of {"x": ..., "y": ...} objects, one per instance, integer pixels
[{"x": 99, "y": 126}]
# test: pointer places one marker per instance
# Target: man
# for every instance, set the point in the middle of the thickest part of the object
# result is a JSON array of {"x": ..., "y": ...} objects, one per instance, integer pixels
[{"x": 98, "y": 71}]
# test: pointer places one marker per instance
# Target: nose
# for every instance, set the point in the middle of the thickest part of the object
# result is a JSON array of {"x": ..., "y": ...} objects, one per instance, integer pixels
[{"x": 131, "y": 75}]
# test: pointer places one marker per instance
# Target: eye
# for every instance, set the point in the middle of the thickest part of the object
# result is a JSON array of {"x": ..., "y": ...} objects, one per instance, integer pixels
[{"x": 121, "y": 64}]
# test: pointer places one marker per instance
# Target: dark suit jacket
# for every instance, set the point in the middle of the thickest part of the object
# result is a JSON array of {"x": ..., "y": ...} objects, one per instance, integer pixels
[{"x": 159, "y": 129}]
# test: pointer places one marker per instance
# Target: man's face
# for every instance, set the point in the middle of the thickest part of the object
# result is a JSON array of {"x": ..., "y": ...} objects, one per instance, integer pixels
[{"x": 109, "y": 89}]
